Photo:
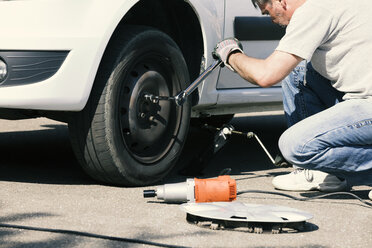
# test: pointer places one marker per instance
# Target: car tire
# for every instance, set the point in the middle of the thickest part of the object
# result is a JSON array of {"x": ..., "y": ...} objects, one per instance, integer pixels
[{"x": 120, "y": 137}]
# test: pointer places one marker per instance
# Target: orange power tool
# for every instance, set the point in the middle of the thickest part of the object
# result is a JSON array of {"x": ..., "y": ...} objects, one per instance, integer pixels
[{"x": 222, "y": 188}]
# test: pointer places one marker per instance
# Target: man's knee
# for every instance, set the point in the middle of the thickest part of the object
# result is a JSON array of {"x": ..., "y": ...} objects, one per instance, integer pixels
[
  {"x": 286, "y": 146},
  {"x": 293, "y": 148}
]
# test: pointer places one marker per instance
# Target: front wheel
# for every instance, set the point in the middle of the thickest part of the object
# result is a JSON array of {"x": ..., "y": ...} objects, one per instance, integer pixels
[{"x": 120, "y": 137}]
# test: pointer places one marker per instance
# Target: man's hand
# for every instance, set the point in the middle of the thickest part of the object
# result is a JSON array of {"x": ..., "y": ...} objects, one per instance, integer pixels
[{"x": 224, "y": 48}]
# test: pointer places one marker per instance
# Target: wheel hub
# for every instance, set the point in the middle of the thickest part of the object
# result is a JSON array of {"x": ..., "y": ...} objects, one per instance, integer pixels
[
  {"x": 148, "y": 128},
  {"x": 148, "y": 120}
]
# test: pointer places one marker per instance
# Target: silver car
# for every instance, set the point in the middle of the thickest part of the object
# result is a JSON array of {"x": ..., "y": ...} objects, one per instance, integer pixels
[{"x": 90, "y": 63}]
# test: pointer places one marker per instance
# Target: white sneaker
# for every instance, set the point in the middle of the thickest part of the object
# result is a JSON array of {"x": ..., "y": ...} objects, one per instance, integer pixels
[
  {"x": 370, "y": 195},
  {"x": 304, "y": 180}
]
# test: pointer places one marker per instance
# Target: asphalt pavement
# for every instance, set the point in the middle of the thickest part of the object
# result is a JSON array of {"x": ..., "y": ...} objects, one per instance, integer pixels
[{"x": 46, "y": 200}]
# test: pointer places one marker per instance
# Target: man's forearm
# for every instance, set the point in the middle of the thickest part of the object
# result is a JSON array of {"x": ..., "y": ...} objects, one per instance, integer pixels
[
  {"x": 247, "y": 67},
  {"x": 264, "y": 72}
]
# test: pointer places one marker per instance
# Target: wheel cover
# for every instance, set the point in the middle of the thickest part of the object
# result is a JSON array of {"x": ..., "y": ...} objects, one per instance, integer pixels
[{"x": 148, "y": 129}]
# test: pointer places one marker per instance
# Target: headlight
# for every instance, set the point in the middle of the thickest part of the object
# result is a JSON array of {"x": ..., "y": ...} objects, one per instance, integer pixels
[{"x": 3, "y": 70}]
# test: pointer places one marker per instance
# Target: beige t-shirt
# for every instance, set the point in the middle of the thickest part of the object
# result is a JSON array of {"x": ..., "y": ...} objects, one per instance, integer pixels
[{"x": 336, "y": 36}]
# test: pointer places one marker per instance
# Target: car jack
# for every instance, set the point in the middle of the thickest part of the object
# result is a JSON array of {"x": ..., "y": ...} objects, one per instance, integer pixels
[
  {"x": 220, "y": 139},
  {"x": 226, "y": 130}
]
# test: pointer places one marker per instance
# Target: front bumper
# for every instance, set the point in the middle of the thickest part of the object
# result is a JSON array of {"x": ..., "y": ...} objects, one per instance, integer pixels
[{"x": 76, "y": 33}]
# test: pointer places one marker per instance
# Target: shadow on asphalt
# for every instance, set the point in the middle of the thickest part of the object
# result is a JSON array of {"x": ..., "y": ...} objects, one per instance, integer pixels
[
  {"x": 244, "y": 156},
  {"x": 72, "y": 238},
  {"x": 61, "y": 241},
  {"x": 46, "y": 156},
  {"x": 40, "y": 156}
]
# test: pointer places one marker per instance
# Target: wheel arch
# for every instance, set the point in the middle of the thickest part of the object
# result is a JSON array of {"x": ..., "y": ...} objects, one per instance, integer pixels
[{"x": 177, "y": 19}]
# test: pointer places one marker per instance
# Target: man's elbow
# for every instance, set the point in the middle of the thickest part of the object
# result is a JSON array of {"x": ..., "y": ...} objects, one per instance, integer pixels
[{"x": 266, "y": 81}]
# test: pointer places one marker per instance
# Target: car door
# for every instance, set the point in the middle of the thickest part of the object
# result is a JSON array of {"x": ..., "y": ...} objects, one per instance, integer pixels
[{"x": 259, "y": 37}]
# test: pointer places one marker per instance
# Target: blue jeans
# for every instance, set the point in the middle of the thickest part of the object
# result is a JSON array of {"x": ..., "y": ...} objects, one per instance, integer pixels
[{"x": 326, "y": 133}]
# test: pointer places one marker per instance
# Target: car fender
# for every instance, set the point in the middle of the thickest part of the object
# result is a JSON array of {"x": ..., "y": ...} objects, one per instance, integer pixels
[{"x": 68, "y": 25}]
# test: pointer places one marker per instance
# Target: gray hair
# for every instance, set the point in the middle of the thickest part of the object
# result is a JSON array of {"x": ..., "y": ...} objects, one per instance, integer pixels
[{"x": 260, "y": 2}]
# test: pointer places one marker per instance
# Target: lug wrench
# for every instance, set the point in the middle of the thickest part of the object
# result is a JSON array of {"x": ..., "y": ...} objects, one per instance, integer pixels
[{"x": 180, "y": 98}]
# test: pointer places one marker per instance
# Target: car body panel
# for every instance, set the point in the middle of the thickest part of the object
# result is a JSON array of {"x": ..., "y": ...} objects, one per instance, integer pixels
[
  {"x": 211, "y": 16},
  {"x": 81, "y": 27},
  {"x": 84, "y": 28}
]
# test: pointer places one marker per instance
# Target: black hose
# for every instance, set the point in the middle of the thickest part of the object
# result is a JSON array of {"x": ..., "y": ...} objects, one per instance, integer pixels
[
  {"x": 368, "y": 204},
  {"x": 90, "y": 235}
]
